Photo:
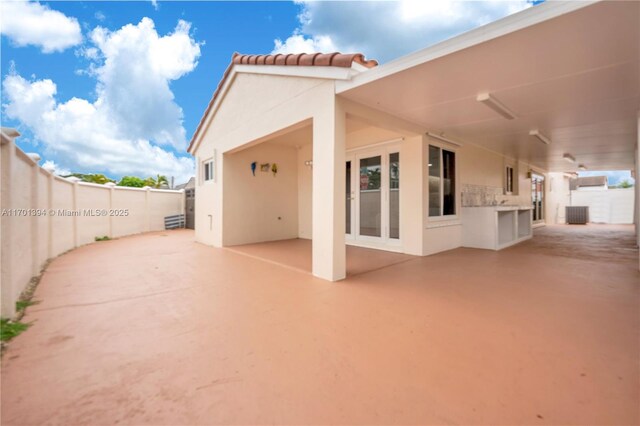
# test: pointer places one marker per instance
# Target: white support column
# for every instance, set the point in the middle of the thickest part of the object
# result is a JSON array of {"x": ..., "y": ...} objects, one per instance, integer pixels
[{"x": 328, "y": 198}]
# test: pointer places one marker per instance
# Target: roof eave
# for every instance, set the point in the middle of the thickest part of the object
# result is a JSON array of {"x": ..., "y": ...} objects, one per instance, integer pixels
[{"x": 509, "y": 24}]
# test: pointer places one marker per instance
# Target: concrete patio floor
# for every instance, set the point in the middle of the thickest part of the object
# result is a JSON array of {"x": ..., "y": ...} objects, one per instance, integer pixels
[
  {"x": 156, "y": 329},
  {"x": 296, "y": 254}
]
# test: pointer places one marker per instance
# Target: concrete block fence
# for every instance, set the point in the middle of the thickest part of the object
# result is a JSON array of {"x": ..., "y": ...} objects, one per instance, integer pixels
[{"x": 44, "y": 215}]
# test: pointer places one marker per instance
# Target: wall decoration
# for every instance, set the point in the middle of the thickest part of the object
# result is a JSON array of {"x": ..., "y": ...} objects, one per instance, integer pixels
[
  {"x": 265, "y": 167},
  {"x": 274, "y": 169},
  {"x": 253, "y": 167}
]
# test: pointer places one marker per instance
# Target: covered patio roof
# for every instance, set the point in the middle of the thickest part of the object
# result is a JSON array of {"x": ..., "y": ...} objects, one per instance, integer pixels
[{"x": 569, "y": 70}]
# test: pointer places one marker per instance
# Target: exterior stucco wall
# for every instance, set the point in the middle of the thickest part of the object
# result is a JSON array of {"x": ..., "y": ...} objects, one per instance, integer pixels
[
  {"x": 482, "y": 167},
  {"x": 276, "y": 103},
  {"x": 29, "y": 239},
  {"x": 305, "y": 181},
  {"x": 558, "y": 197},
  {"x": 370, "y": 135},
  {"x": 263, "y": 207}
]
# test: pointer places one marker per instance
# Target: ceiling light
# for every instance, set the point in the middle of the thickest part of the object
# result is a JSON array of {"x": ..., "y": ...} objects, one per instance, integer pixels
[
  {"x": 569, "y": 158},
  {"x": 542, "y": 138},
  {"x": 582, "y": 167},
  {"x": 443, "y": 139},
  {"x": 496, "y": 105}
]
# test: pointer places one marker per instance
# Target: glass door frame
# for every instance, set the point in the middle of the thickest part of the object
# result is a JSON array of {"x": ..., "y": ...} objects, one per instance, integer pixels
[
  {"x": 538, "y": 204},
  {"x": 354, "y": 156}
]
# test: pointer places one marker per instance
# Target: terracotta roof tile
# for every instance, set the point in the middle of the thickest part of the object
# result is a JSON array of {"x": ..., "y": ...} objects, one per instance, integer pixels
[{"x": 336, "y": 59}]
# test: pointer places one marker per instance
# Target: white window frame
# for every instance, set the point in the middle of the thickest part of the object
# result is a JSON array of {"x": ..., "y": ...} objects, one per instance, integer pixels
[
  {"x": 442, "y": 217},
  {"x": 211, "y": 162},
  {"x": 507, "y": 190}
]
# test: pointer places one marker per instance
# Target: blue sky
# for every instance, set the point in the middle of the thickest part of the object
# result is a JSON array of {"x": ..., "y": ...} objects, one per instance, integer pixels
[
  {"x": 119, "y": 87},
  {"x": 613, "y": 177}
]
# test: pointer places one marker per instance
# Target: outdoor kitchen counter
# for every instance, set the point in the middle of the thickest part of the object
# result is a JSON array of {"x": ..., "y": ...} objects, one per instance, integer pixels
[{"x": 495, "y": 227}]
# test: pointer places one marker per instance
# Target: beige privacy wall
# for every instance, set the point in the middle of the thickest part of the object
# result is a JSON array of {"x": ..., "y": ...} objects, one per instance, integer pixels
[{"x": 45, "y": 215}]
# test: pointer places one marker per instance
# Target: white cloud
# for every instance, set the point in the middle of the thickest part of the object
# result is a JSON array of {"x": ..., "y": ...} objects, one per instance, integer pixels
[
  {"x": 54, "y": 168},
  {"x": 298, "y": 43},
  {"x": 134, "y": 112},
  {"x": 134, "y": 74},
  {"x": 385, "y": 30},
  {"x": 30, "y": 23}
]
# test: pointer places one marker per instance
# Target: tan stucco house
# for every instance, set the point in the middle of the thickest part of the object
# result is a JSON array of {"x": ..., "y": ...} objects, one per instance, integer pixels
[{"x": 464, "y": 143}]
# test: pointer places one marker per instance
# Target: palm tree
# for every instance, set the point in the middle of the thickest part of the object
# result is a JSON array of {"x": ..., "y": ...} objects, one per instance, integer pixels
[
  {"x": 161, "y": 181},
  {"x": 150, "y": 182}
]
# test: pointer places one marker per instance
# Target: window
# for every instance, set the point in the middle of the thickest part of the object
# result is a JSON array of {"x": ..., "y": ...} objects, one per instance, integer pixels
[
  {"x": 508, "y": 183},
  {"x": 209, "y": 172},
  {"x": 442, "y": 182}
]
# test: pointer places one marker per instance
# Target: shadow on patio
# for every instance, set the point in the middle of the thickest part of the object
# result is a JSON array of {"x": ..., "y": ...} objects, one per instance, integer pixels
[{"x": 296, "y": 254}]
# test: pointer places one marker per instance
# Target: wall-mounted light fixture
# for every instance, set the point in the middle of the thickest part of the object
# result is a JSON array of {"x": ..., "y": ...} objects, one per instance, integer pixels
[
  {"x": 496, "y": 105},
  {"x": 443, "y": 139},
  {"x": 569, "y": 158},
  {"x": 542, "y": 138},
  {"x": 308, "y": 163},
  {"x": 582, "y": 167}
]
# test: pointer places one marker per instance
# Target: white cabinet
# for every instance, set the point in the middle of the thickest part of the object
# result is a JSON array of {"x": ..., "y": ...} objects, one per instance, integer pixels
[{"x": 495, "y": 227}]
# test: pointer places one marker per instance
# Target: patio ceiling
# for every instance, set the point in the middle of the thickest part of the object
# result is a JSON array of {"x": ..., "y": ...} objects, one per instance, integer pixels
[{"x": 570, "y": 70}]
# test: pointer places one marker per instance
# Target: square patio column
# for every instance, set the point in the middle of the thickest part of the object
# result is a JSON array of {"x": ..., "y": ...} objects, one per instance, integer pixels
[{"x": 328, "y": 198}]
